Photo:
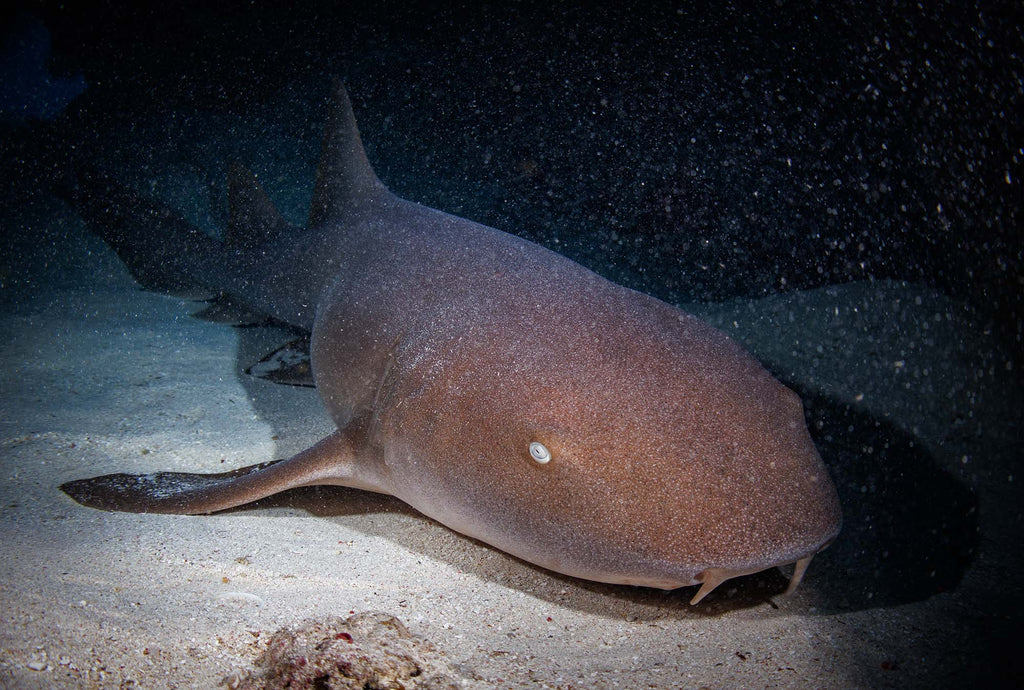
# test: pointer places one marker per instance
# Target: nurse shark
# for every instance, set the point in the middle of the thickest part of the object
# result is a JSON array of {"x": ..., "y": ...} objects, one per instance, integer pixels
[{"x": 495, "y": 386}]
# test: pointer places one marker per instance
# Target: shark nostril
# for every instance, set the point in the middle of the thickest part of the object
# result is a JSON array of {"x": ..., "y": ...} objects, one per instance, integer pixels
[
  {"x": 710, "y": 578},
  {"x": 799, "y": 568}
]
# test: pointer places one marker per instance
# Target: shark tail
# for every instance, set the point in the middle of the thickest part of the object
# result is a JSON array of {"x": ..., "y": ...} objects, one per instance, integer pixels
[
  {"x": 163, "y": 251},
  {"x": 167, "y": 254}
]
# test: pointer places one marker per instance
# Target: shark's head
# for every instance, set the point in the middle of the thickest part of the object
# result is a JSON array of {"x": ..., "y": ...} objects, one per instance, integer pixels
[{"x": 621, "y": 441}]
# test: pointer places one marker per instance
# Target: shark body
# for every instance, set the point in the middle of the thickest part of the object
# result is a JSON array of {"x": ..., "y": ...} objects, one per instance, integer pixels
[{"x": 496, "y": 386}]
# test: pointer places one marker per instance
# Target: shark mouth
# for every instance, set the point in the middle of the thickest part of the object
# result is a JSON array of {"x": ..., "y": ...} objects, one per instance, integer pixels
[{"x": 710, "y": 578}]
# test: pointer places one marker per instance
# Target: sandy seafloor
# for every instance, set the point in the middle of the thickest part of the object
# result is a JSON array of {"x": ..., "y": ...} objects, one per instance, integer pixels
[
  {"x": 796, "y": 129},
  {"x": 98, "y": 376}
]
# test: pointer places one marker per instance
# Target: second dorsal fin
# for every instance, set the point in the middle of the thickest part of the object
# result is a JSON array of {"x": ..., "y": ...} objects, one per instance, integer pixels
[{"x": 252, "y": 217}]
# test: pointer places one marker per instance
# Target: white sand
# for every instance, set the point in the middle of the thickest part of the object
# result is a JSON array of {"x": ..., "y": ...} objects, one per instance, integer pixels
[{"x": 98, "y": 376}]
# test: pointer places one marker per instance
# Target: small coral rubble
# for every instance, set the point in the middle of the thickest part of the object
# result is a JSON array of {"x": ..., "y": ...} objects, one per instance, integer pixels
[{"x": 367, "y": 651}]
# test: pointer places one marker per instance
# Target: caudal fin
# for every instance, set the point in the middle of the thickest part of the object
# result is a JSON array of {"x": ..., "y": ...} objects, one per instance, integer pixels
[{"x": 163, "y": 251}]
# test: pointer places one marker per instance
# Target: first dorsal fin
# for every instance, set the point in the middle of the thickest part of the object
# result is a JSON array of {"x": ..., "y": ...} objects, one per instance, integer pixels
[
  {"x": 252, "y": 217},
  {"x": 344, "y": 178}
]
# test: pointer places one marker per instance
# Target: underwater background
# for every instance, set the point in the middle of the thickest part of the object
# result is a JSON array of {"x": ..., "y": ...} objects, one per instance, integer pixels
[{"x": 837, "y": 187}]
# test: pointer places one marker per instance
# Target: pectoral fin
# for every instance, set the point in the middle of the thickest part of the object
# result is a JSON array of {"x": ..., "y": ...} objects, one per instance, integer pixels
[{"x": 331, "y": 461}]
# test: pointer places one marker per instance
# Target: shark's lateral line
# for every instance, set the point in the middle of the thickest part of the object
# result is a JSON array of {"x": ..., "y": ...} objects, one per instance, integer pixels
[{"x": 494, "y": 385}]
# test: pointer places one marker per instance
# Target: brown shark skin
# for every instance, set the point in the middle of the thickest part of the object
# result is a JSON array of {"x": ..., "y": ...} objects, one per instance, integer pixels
[{"x": 443, "y": 348}]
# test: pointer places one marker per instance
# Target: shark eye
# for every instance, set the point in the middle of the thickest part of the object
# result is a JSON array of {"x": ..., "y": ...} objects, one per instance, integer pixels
[{"x": 540, "y": 453}]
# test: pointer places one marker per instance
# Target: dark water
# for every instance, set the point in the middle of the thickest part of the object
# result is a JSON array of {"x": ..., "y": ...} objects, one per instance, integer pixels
[
  {"x": 697, "y": 152},
  {"x": 693, "y": 152}
]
